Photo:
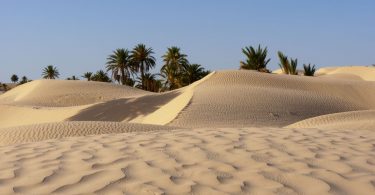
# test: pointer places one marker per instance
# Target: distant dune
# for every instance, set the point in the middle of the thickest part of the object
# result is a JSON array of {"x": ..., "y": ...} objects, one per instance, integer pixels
[
  {"x": 60, "y": 93},
  {"x": 354, "y": 120},
  {"x": 349, "y": 72},
  {"x": 232, "y": 132}
]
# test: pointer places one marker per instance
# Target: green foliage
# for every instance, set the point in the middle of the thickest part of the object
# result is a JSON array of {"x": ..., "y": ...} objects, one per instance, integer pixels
[
  {"x": 171, "y": 77},
  {"x": 87, "y": 75},
  {"x": 256, "y": 59},
  {"x": 142, "y": 60},
  {"x": 5, "y": 87},
  {"x": 101, "y": 76},
  {"x": 309, "y": 70},
  {"x": 120, "y": 64},
  {"x": 288, "y": 67},
  {"x": 50, "y": 72},
  {"x": 14, "y": 78},
  {"x": 72, "y": 78},
  {"x": 192, "y": 73},
  {"x": 150, "y": 83},
  {"x": 284, "y": 62},
  {"x": 176, "y": 70},
  {"x": 174, "y": 65},
  {"x": 293, "y": 67},
  {"x": 24, "y": 80}
]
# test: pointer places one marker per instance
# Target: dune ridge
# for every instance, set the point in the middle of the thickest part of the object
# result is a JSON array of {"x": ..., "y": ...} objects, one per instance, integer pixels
[
  {"x": 354, "y": 120},
  {"x": 348, "y": 72},
  {"x": 63, "y": 93},
  {"x": 247, "y": 98},
  {"x": 170, "y": 110}
]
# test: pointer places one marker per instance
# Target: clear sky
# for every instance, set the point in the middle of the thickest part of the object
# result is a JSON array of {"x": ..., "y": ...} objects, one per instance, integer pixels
[{"x": 78, "y": 35}]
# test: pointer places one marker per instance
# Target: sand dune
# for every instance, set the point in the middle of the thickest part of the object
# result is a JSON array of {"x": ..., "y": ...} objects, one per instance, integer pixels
[
  {"x": 247, "y": 98},
  {"x": 70, "y": 137},
  {"x": 222, "y": 99},
  {"x": 12, "y": 115},
  {"x": 199, "y": 161},
  {"x": 348, "y": 72},
  {"x": 354, "y": 120},
  {"x": 58, "y": 93},
  {"x": 158, "y": 109},
  {"x": 45, "y": 131}
]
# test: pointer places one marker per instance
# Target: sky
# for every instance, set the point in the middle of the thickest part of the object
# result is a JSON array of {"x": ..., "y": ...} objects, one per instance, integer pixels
[{"x": 78, "y": 35}]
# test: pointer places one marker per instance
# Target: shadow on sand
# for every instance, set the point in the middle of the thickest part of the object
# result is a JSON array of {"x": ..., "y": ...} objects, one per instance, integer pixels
[{"x": 125, "y": 109}]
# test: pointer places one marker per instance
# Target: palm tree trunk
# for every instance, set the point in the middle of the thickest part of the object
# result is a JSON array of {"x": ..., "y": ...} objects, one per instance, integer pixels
[
  {"x": 123, "y": 78},
  {"x": 142, "y": 76}
]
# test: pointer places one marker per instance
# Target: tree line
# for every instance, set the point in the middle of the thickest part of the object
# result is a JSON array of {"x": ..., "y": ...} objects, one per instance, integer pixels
[
  {"x": 133, "y": 68},
  {"x": 256, "y": 59}
]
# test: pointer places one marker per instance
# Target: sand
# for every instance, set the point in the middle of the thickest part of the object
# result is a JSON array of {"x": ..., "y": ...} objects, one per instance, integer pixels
[
  {"x": 366, "y": 73},
  {"x": 233, "y": 132},
  {"x": 62, "y": 93},
  {"x": 354, "y": 120},
  {"x": 246, "y": 98},
  {"x": 199, "y": 161},
  {"x": 45, "y": 131}
]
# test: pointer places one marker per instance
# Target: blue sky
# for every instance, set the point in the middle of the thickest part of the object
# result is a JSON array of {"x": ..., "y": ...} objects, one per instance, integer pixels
[{"x": 78, "y": 35}]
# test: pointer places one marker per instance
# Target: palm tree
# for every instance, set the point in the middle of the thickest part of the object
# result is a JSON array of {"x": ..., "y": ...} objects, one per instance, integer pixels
[
  {"x": 119, "y": 64},
  {"x": 284, "y": 62},
  {"x": 87, "y": 75},
  {"x": 5, "y": 87},
  {"x": 142, "y": 59},
  {"x": 150, "y": 83},
  {"x": 171, "y": 77},
  {"x": 101, "y": 76},
  {"x": 14, "y": 78},
  {"x": 194, "y": 72},
  {"x": 288, "y": 67},
  {"x": 24, "y": 80},
  {"x": 309, "y": 70},
  {"x": 50, "y": 72},
  {"x": 174, "y": 64},
  {"x": 256, "y": 59},
  {"x": 293, "y": 67},
  {"x": 72, "y": 78}
]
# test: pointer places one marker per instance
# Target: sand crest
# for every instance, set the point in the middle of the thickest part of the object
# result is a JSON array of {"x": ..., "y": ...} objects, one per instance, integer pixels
[
  {"x": 355, "y": 120},
  {"x": 348, "y": 72},
  {"x": 59, "y": 93},
  {"x": 247, "y": 98}
]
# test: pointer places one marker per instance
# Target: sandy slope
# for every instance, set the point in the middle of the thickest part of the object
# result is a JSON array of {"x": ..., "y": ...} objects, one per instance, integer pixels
[
  {"x": 45, "y": 131},
  {"x": 58, "y": 93},
  {"x": 199, "y": 161},
  {"x": 223, "y": 99},
  {"x": 354, "y": 120},
  {"x": 328, "y": 147},
  {"x": 157, "y": 109},
  {"x": 247, "y": 98},
  {"x": 12, "y": 115},
  {"x": 348, "y": 72}
]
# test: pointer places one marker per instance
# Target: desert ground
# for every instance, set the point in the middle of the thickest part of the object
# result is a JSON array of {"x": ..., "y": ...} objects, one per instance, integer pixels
[{"x": 232, "y": 132}]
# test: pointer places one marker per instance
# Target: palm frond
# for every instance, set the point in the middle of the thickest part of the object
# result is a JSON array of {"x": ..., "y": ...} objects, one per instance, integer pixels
[{"x": 309, "y": 70}]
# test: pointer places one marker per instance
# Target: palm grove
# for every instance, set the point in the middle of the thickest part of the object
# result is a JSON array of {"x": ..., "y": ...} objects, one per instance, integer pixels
[
  {"x": 256, "y": 59},
  {"x": 132, "y": 68}
]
